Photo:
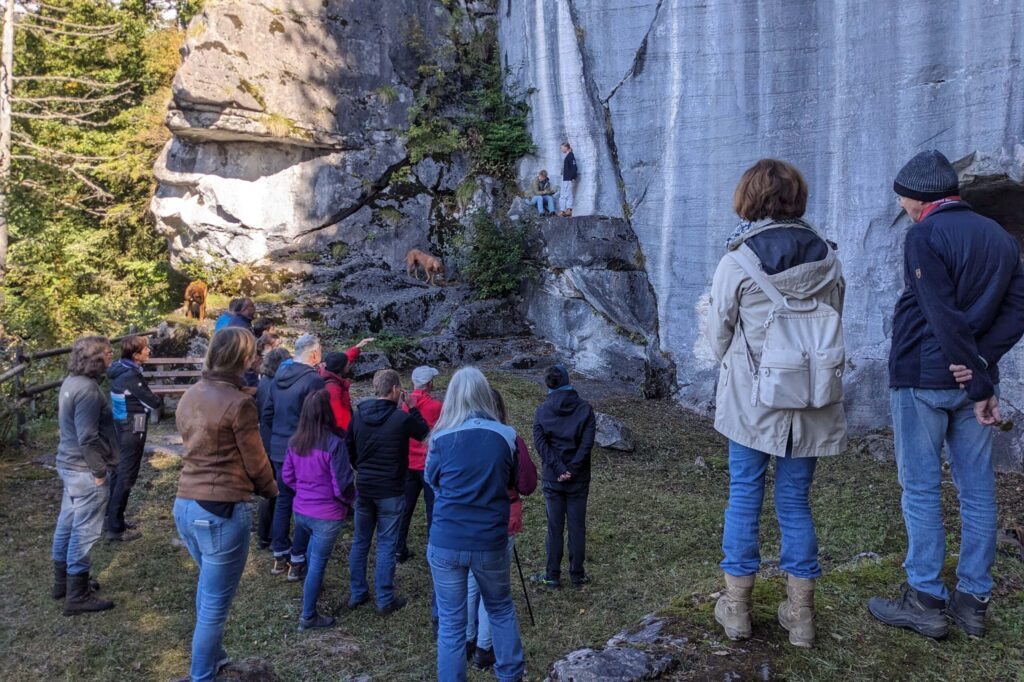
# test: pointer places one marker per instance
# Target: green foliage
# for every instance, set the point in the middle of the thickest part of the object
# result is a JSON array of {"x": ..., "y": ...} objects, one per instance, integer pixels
[
  {"x": 83, "y": 256},
  {"x": 339, "y": 250},
  {"x": 387, "y": 94},
  {"x": 497, "y": 259}
]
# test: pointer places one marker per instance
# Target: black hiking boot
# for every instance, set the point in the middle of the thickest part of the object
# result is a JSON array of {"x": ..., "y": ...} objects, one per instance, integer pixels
[
  {"x": 483, "y": 658},
  {"x": 396, "y": 604},
  {"x": 60, "y": 581},
  {"x": 296, "y": 571},
  {"x": 470, "y": 649},
  {"x": 913, "y": 610},
  {"x": 80, "y": 598},
  {"x": 280, "y": 565},
  {"x": 317, "y": 621},
  {"x": 968, "y": 612}
]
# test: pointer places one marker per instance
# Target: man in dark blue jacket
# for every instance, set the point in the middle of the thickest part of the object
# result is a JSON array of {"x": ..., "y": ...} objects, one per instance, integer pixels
[
  {"x": 961, "y": 310},
  {"x": 132, "y": 401},
  {"x": 294, "y": 380},
  {"x": 563, "y": 433}
]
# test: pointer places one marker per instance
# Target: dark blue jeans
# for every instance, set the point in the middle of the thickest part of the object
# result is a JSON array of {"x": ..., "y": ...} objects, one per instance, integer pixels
[
  {"x": 385, "y": 517},
  {"x": 568, "y": 505},
  {"x": 281, "y": 542},
  {"x": 413, "y": 485},
  {"x": 322, "y": 535},
  {"x": 798, "y": 555}
]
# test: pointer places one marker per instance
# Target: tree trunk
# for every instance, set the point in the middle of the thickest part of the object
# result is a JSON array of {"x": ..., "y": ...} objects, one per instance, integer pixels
[{"x": 6, "y": 86}]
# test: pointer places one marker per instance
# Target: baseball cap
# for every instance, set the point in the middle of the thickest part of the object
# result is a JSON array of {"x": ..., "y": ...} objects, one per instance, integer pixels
[{"x": 422, "y": 375}]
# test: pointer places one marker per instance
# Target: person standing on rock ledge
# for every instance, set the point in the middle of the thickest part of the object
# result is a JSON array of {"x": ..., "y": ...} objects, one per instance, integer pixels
[
  {"x": 567, "y": 192},
  {"x": 775, "y": 325},
  {"x": 961, "y": 310}
]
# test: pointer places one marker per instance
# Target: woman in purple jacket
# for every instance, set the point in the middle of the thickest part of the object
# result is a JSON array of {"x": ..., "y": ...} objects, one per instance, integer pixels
[{"x": 316, "y": 467}]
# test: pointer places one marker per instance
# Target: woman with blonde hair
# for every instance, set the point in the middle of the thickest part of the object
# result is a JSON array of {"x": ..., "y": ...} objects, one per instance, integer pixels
[
  {"x": 779, "y": 273},
  {"x": 471, "y": 465},
  {"x": 224, "y": 464}
]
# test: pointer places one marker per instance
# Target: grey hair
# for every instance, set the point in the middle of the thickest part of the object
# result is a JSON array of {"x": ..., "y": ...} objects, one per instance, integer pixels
[
  {"x": 468, "y": 392},
  {"x": 305, "y": 345}
]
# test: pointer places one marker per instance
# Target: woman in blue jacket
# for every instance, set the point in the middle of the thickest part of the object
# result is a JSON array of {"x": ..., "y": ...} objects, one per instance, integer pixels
[{"x": 471, "y": 464}]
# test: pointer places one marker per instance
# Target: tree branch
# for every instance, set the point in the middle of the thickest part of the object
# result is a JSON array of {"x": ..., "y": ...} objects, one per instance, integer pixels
[
  {"x": 69, "y": 24},
  {"x": 42, "y": 189},
  {"x": 55, "y": 31},
  {"x": 25, "y": 141},
  {"x": 72, "y": 79},
  {"x": 73, "y": 100},
  {"x": 61, "y": 116},
  {"x": 97, "y": 191}
]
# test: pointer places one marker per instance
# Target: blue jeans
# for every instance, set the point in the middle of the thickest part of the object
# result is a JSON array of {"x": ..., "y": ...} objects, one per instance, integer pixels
[
  {"x": 220, "y": 548},
  {"x": 450, "y": 569},
  {"x": 384, "y": 516},
  {"x": 478, "y": 623},
  {"x": 80, "y": 522},
  {"x": 322, "y": 535},
  {"x": 542, "y": 201},
  {"x": 281, "y": 544},
  {"x": 922, "y": 419},
  {"x": 798, "y": 555}
]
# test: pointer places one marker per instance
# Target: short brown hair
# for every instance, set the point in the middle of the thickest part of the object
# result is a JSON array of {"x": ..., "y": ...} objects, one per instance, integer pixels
[
  {"x": 88, "y": 357},
  {"x": 770, "y": 189},
  {"x": 384, "y": 381},
  {"x": 130, "y": 345},
  {"x": 231, "y": 351}
]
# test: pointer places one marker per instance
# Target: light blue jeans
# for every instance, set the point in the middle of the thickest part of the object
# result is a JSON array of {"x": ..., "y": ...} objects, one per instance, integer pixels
[
  {"x": 478, "y": 624},
  {"x": 322, "y": 535},
  {"x": 542, "y": 201},
  {"x": 922, "y": 420},
  {"x": 220, "y": 548},
  {"x": 83, "y": 508},
  {"x": 450, "y": 569},
  {"x": 798, "y": 555},
  {"x": 384, "y": 517}
]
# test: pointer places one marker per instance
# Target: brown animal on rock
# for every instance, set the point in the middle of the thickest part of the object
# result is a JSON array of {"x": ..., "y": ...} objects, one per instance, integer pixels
[
  {"x": 195, "y": 300},
  {"x": 432, "y": 266}
]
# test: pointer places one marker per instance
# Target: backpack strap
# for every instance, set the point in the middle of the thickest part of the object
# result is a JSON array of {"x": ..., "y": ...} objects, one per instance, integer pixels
[{"x": 759, "y": 276}]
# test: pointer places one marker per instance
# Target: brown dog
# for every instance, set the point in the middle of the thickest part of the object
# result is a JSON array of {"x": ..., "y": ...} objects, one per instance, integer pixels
[
  {"x": 432, "y": 266},
  {"x": 195, "y": 300}
]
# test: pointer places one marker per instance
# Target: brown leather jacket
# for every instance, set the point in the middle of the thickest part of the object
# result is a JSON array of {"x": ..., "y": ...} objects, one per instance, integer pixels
[{"x": 224, "y": 456}]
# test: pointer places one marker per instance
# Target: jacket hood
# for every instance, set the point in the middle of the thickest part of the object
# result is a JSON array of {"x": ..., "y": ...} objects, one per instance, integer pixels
[
  {"x": 376, "y": 411},
  {"x": 118, "y": 368},
  {"x": 288, "y": 375},
  {"x": 801, "y": 281},
  {"x": 564, "y": 402},
  {"x": 327, "y": 375}
]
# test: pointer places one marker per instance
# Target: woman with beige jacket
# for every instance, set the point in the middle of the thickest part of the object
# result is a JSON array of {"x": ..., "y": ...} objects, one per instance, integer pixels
[{"x": 793, "y": 258}]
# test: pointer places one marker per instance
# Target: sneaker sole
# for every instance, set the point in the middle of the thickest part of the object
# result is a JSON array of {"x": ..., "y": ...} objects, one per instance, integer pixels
[{"x": 936, "y": 632}]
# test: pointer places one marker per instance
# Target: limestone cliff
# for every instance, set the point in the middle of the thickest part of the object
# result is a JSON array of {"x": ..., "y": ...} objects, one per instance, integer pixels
[{"x": 666, "y": 102}]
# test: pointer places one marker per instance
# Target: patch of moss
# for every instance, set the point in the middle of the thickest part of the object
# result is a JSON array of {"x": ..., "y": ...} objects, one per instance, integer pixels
[
  {"x": 390, "y": 214},
  {"x": 306, "y": 256},
  {"x": 253, "y": 91},
  {"x": 339, "y": 250},
  {"x": 280, "y": 126},
  {"x": 276, "y": 26},
  {"x": 386, "y": 94}
]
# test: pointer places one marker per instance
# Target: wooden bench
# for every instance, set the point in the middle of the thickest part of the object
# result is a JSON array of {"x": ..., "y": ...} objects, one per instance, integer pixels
[{"x": 173, "y": 369}]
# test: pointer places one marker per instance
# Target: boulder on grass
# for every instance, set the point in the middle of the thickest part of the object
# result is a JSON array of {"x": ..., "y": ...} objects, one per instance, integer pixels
[{"x": 612, "y": 434}]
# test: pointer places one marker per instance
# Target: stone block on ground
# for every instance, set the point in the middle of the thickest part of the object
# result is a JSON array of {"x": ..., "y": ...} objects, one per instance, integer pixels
[
  {"x": 367, "y": 364},
  {"x": 613, "y": 664},
  {"x": 612, "y": 434}
]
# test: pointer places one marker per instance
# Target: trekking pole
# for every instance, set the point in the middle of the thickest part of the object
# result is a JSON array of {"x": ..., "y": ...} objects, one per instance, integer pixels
[{"x": 515, "y": 553}]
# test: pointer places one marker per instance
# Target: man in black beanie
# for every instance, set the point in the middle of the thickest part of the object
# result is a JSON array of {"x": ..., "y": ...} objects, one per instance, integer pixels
[
  {"x": 961, "y": 310},
  {"x": 563, "y": 433}
]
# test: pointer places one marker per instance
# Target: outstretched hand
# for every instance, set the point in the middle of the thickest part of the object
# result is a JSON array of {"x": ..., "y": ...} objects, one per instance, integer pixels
[
  {"x": 987, "y": 412},
  {"x": 961, "y": 374},
  {"x": 365, "y": 342}
]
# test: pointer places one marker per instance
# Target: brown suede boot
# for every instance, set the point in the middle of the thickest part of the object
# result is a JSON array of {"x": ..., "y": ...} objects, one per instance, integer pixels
[
  {"x": 732, "y": 611},
  {"x": 796, "y": 614},
  {"x": 80, "y": 598}
]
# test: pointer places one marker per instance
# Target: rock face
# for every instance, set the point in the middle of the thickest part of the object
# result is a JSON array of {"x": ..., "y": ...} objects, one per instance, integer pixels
[
  {"x": 666, "y": 102},
  {"x": 593, "y": 301}
]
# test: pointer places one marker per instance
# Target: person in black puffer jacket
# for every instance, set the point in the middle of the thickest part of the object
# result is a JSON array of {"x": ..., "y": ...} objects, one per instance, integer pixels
[
  {"x": 564, "y": 428},
  {"x": 378, "y": 447},
  {"x": 132, "y": 401}
]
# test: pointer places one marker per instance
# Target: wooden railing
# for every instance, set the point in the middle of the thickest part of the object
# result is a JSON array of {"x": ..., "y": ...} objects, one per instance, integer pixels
[{"x": 174, "y": 374}]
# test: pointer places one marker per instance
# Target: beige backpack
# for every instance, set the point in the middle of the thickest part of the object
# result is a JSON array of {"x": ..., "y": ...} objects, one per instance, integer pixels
[{"x": 803, "y": 354}]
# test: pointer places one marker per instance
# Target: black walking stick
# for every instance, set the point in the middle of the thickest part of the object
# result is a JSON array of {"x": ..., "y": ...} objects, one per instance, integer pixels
[{"x": 515, "y": 553}]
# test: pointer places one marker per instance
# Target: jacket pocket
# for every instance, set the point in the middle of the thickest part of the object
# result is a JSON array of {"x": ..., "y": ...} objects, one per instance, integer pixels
[
  {"x": 784, "y": 379},
  {"x": 827, "y": 378}
]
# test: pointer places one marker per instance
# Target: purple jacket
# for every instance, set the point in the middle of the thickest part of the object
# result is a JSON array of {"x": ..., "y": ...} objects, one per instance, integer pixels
[{"x": 322, "y": 480}]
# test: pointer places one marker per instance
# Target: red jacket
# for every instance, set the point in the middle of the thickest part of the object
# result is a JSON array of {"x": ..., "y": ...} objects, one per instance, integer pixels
[
  {"x": 341, "y": 401},
  {"x": 526, "y": 484},
  {"x": 431, "y": 411}
]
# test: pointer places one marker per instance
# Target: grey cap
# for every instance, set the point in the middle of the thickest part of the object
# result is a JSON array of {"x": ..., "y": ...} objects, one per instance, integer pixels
[
  {"x": 423, "y": 375},
  {"x": 929, "y": 176}
]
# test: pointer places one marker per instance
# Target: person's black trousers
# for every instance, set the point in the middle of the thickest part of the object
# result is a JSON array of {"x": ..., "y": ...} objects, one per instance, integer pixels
[
  {"x": 568, "y": 504},
  {"x": 413, "y": 485},
  {"x": 129, "y": 461},
  {"x": 265, "y": 520}
]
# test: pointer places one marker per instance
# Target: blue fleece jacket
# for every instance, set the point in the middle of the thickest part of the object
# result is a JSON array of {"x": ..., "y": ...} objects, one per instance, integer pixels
[
  {"x": 470, "y": 468},
  {"x": 963, "y": 301}
]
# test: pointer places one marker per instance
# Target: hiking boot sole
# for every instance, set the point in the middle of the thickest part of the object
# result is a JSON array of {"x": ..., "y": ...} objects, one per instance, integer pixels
[{"x": 934, "y": 630}]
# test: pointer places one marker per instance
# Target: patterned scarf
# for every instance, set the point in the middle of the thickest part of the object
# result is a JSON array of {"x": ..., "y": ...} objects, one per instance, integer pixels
[{"x": 745, "y": 226}]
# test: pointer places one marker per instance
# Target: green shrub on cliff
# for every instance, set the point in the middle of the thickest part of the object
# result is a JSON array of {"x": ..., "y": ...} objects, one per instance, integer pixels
[{"x": 496, "y": 262}]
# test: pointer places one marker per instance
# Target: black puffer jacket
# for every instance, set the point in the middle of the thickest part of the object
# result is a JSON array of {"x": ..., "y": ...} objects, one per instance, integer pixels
[
  {"x": 378, "y": 446},
  {"x": 563, "y": 433}
]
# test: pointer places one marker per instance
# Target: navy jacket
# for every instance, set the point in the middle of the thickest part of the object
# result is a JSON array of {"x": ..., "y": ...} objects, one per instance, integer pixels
[
  {"x": 279, "y": 416},
  {"x": 237, "y": 320},
  {"x": 569, "y": 170},
  {"x": 129, "y": 392},
  {"x": 378, "y": 446},
  {"x": 962, "y": 303},
  {"x": 563, "y": 433},
  {"x": 471, "y": 468}
]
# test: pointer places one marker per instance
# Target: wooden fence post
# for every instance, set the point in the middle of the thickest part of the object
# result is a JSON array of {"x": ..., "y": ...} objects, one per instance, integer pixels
[{"x": 21, "y": 424}]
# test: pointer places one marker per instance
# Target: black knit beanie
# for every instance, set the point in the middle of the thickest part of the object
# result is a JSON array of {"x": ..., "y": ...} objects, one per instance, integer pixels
[
  {"x": 929, "y": 176},
  {"x": 335, "y": 363}
]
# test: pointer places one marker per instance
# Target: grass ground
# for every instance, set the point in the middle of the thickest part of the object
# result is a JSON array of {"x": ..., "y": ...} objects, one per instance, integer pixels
[{"x": 653, "y": 544}]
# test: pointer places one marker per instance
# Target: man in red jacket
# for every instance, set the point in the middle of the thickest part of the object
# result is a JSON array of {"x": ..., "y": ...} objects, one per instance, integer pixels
[
  {"x": 423, "y": 384},
  {"x": 335, "y": 372}
]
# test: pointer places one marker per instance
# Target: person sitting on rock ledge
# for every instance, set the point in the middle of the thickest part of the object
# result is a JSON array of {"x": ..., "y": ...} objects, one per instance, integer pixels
[{"x": 542, "y": 194}]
